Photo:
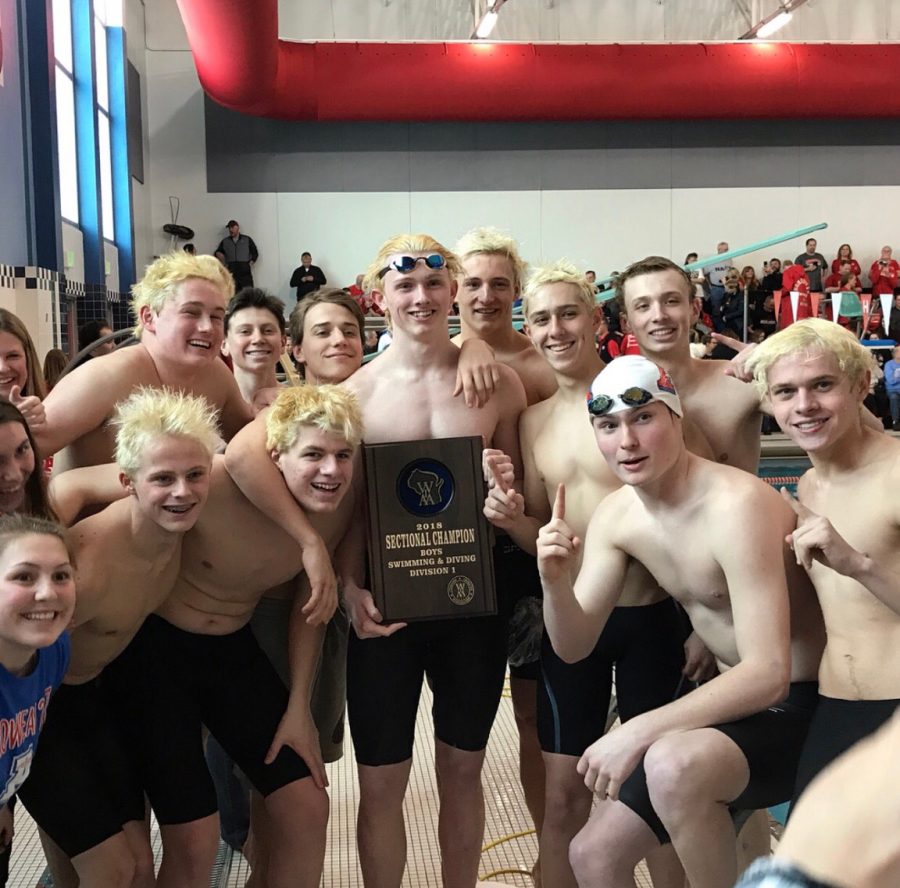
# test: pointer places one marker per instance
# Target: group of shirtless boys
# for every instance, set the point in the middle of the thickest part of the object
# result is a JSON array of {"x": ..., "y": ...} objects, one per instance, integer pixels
[{"x": 625, "y": 495}]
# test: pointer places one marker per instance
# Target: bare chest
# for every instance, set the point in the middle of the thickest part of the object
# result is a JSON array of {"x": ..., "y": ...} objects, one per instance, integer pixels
[{"x": 420, "y": 409}]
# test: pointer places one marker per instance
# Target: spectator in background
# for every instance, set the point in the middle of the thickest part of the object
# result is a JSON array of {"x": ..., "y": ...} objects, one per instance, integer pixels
[
  {"x": 307, "y": 278},
  {"x": 772, "y": 279},
  {"x": 609, "y": 345},
  {"x": 89, "y": 333},
  {"x": 732, "y": 312},
  {"x": 239, "y": 253},
  {"x": 892, "y": 386},
  {"x": 55, "y": 361},
  {"x": 715, "y": 274},
  {"x": 697, "y": 274},
  {"x": 763, "y": 321},
  {"x": 190, "y": 248},
  {"x": 591, "y": 277},
  {"x": 844, "y": 279},
  {"x": 813, "y": 264},
  {"x": 370, "y": 344},
  {"x": 845, "y": 254},
  {"x": 893, "y": 331},
  {"x": 884, "y": 273},
  {"x": 752, "y": 287}
]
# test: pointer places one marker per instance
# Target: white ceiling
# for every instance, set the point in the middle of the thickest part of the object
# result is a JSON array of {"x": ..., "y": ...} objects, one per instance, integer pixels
[{"x": 595, "y": 21}]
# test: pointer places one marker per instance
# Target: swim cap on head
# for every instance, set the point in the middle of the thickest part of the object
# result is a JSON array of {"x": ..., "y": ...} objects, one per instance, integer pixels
[{"x": 631, "y": 381}]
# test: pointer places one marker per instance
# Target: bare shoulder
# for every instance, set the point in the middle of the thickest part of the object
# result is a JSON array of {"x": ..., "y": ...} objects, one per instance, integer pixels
[
  {"x": 510, "y": 385},
  {"x": 738, "y": 500},
  {"x": 108, "y": 377},
  {"x": 534, "y": 417},
  {"x": 535, "y": 373},
  {"x": 362, "y": 381}
]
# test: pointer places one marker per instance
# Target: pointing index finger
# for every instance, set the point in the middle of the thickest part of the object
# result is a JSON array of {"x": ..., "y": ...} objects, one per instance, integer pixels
[
  {"x": 559, "y": 504},
  {"x": 798, "y": 508}
]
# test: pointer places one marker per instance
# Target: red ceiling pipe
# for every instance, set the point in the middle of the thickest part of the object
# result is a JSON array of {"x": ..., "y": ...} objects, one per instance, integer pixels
[{"x": 244, "y": 66}]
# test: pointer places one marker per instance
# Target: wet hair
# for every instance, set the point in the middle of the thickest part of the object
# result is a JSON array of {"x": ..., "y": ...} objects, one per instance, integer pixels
[
  {"x": 811, "y": 336},
  {"x": 560, "y": 272},
  {"x": 329, "y": 408},
  {"x": 34, "y": 379},
  {"x": 329, "y": 296},
  {"x": 149, "y": 413},
  {"x": 254, "y": 297},
  {"x": 650, "y": 265},
  {"x": 408, "y": 243},
  {"x": 493, "y": 242},
  {"x": 55, "y": 361},
  {"x": 162, "y": 277},
  {"x": 36, "y": 501},
  {"x": 16, "y": 525}
]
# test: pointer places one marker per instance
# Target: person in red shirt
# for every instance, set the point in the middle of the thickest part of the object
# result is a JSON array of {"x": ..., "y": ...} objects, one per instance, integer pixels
[
  {"x": 845, "y": 254},
  {"x": 884, "y": 273},
  {"x": 844, "y": 279}
]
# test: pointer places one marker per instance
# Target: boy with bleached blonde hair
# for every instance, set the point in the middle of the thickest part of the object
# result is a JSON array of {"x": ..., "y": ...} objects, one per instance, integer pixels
[
  {"x": 84, "y": 792},
  {"x": 216, "y": 673},
  {"x": 560, "y": 272},
  {"x": 815, "y": 374}
]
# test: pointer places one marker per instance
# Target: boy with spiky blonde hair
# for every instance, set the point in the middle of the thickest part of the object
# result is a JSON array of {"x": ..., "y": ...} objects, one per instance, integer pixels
[
  {"x": 815, "y": 374},
  {"x": 84, "y": 792},
  {"x": 215, "y": 671}
]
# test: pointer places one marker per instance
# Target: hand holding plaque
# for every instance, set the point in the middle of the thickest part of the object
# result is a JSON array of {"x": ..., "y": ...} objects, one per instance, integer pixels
[{"x": 429, "y": 544}]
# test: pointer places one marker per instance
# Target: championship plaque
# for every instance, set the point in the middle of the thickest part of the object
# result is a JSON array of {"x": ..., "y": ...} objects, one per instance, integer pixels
[{"x": 429, "y": 543}]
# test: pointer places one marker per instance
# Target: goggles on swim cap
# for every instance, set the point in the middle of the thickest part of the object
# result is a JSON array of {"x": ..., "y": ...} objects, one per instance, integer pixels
[{"x": 631, "y": 381}]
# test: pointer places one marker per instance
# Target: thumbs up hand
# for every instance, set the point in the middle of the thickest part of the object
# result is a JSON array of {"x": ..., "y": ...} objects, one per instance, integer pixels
[{"x": 29, "y": 406}]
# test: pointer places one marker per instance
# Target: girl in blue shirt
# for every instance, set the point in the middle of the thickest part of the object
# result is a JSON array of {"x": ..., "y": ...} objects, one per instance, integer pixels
[{"x": 37, "y": 600}]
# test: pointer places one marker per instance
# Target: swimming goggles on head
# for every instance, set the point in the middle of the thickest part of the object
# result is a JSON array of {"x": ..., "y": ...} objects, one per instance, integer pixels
[
  {"x": 600, "y": 405},
  {"x": 405, "y": 264}
]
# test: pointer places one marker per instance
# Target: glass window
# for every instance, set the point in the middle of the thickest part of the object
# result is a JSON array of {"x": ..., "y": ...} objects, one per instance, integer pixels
[
  {"x": 67, "y": 156},
  {"x": 62, "y": 33},
  {"x": 100, "y": 72},
  {"x": 109, "y": 12},
  {"x": 106, "y": 190}
]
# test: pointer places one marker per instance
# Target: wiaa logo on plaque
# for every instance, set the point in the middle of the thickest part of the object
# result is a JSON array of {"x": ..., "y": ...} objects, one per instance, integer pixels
[
  {"x": 460, "y": 590},
  {"x": 425, "y": 487}
]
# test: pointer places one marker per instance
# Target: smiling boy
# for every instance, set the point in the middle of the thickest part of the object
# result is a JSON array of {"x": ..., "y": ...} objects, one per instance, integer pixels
[
  {"x": 413, "y": 278},
  {"x": 816, "y": 375},
  {"x": 254, "y": 340},
  {"x": 180, "y": 309}
]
